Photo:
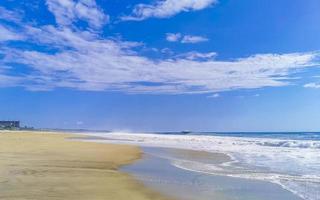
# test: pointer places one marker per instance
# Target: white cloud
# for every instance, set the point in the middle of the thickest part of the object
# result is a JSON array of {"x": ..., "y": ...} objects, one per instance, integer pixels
[
  {"x": 216, "y": 95},
  {"x": 84, "y": 60},
  {"x": 93, "y": 63},
  {"x": 173, "y": 37},
  {"x": 193, "y": 55},
  {"x": 6, "y": 80},
  {"x": 7, "y": 35},
  {"x": 312, "y": 85},
  {"x": 178, "y": 37},
  {"x": 68, "y": 11},
  {"x": 167, "y": 8},
  {"x": 193, "y": 39},
  {"x": 9, "y": 15}
]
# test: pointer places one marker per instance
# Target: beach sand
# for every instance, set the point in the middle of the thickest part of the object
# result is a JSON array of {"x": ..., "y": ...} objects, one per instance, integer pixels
[{"x": 38, "y": 165}]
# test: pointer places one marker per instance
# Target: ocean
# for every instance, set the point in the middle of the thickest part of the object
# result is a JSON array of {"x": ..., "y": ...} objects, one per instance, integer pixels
[{"x": 289, "y": 160}]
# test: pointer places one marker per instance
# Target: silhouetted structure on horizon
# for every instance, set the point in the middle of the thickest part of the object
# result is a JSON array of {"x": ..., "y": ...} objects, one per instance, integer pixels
[{"x": 9, "y": 124}]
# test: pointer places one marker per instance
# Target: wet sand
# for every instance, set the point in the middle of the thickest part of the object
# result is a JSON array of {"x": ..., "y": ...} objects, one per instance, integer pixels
[{"x": 37, "y": 166}]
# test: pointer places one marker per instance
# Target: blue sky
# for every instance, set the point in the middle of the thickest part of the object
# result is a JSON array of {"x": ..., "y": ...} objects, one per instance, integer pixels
[{"x": 161, "y": 65}]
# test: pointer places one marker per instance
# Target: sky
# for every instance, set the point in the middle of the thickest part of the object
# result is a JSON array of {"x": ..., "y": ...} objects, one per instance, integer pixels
[{"x": 161, "y": 65}]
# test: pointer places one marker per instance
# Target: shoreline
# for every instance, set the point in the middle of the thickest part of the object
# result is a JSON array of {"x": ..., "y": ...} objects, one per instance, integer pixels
[
  {"x": 285, "y": 161},
  {"x": 157, "y": 170},
  {"x": 231, "y": 169},
  {"x": 47, "y": 165}
]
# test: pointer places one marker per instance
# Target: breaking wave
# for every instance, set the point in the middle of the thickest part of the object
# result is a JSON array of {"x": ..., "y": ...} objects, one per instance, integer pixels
[{"x": 292, "y": 144}]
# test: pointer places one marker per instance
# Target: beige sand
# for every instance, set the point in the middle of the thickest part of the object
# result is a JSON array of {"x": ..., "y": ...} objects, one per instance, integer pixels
[{"x": 44, "y": 166}]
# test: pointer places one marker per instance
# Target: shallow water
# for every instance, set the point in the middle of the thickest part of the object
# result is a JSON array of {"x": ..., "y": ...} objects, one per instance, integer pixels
[{"x": 157, "y": 171}]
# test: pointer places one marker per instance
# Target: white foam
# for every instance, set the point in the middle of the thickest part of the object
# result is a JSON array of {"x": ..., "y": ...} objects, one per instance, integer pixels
[
  {"x": 292, "y": 144},
  {"x": 293, "y": 164}
]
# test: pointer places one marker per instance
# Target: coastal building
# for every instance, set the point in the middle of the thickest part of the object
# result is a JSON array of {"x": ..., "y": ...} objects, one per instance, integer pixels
[{"x": 9, "y": 124}]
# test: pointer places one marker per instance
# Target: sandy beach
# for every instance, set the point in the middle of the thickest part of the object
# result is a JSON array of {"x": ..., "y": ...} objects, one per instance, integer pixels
[{"x": 38, "y": 165}]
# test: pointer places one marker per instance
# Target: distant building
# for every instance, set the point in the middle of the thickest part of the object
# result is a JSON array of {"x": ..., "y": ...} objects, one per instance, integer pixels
[{"x": 9, "y": 124}]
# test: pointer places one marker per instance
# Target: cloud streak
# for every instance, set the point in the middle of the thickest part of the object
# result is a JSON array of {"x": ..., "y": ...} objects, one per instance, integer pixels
[
  {"x": 312, "y": 85},
  {"x": 178, "y": 37},
  {"x": 193, "y": 39},
  {"x": 8, "y": 35},
  {"x": 216, "y": 95},
  {"x": 68, "y": 11},
  {"x": 167, "y": 8},
  {"x": 173, "y": 37},
  {"x": 8, "y": 15}
]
